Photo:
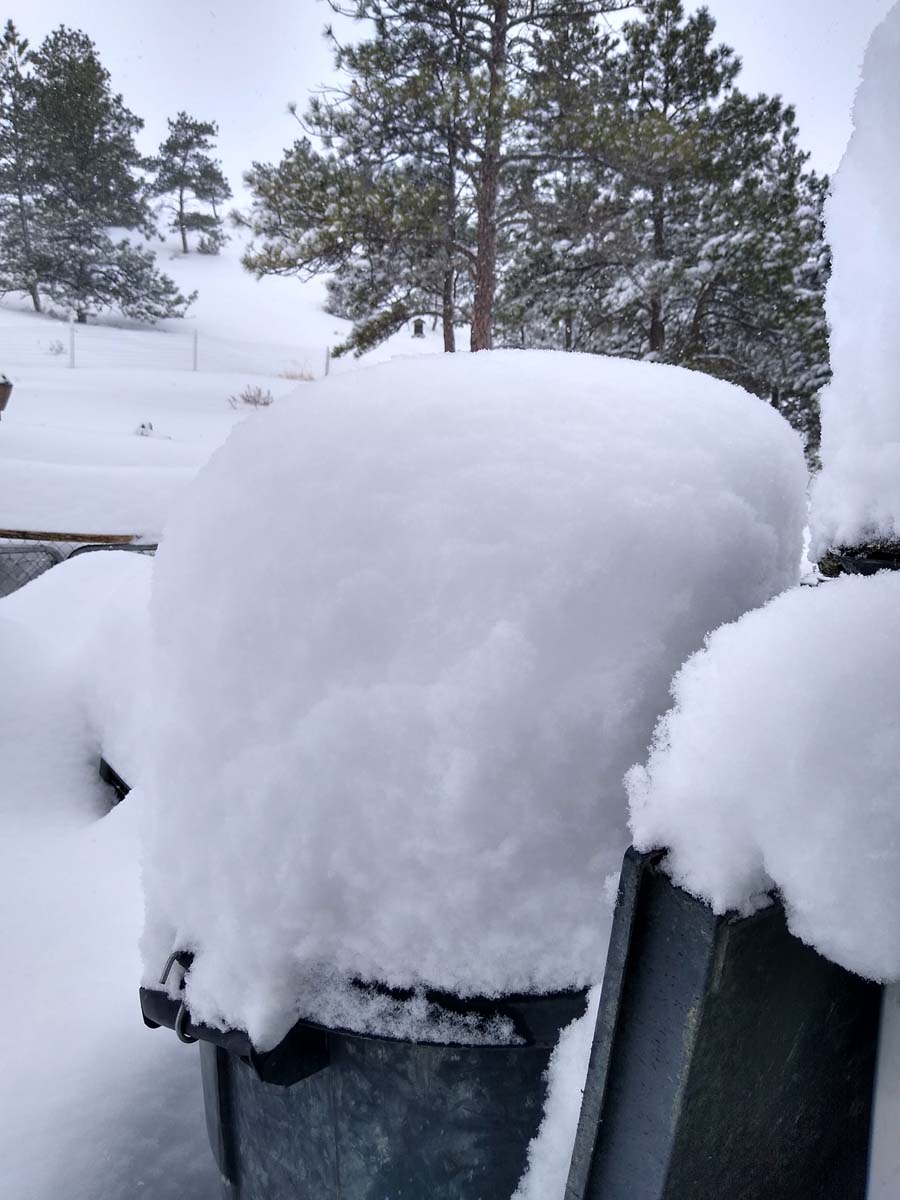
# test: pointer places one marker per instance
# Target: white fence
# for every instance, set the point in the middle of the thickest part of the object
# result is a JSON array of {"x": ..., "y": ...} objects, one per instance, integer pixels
[{"x": 46, "y": 344}]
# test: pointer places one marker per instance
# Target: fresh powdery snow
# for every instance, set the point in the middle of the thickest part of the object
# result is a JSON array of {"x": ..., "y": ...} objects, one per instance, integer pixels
[
  {"x": 92, "y": 613},
  {"x": 857, "y": 495},
  {"x": 408, "y": 634},
  {"x": 71, "y": 459},
  {"x": 778, "y": 767},
  {"x": 94, "y": 1106},
  {"x": 550, "y": 1152}
]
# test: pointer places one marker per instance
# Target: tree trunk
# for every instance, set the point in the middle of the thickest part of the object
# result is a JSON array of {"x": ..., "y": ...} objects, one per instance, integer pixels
[
  {"x": 448, "y": 298},
  {"x": 657, "y": 325},
  {"x": 81, "y": 318},
  {"x": 489, "y": 184},
  {"x": 567, "y": 327},
  {"x": 184, "y": 244},
  {"x": 694, "y": 344},
  {"x": 448, "y": 311},
  {"x": 35, "y": 297},
  {"x": 657, "y": 316}
]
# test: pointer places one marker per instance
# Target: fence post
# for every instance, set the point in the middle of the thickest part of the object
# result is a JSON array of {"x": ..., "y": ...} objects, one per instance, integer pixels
[
  {"x": 71, "y": 339},
  {"x": 327, "y": 359},
  {"x": 196, "y": 349}
]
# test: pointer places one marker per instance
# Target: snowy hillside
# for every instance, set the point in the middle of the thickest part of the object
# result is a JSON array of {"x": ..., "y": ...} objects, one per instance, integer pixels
[{"x": 70, "y": 455}]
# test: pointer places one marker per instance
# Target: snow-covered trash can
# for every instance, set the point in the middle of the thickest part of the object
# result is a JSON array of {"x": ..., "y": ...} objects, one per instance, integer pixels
[
  {"x": 387, "y": 735},
  {"x": 729, "y": 1058},
  {"x": 777, "y": 769},
  {"x": 332, "y": 1113}
]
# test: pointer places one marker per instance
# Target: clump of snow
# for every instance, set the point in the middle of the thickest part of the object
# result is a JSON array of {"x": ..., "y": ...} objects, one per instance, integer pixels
[
  {"x": 414, "y": 1017},
  {"x": 94, "y": 1106},
  {"x": 408, "y": 634},
  {"x": 91, "y": 614},
  {"x": 778, "y": 767},
  {"x": 550, "y": 1153},
  {"x": 857, "y": 496}
]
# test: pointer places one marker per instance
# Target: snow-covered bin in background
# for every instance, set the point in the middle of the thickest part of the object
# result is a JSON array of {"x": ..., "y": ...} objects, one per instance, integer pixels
[
  {"x": 856, "y": 498},
  {"x": 409, "y": 631}
]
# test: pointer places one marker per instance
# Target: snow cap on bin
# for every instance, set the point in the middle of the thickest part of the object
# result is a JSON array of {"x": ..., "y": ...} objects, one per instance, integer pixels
[{"x": 411, "y": 627}]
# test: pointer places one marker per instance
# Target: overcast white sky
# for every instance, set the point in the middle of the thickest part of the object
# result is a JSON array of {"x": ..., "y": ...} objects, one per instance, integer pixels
[{"x": 239, "y": 62}]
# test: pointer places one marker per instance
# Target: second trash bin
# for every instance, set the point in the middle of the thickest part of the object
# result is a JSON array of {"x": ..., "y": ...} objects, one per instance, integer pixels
[{"x": 730, "y": 1061}]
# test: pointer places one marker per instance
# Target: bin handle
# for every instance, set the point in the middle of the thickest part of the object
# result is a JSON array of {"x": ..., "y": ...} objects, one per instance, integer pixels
[{"x": 182, "y": 1017}]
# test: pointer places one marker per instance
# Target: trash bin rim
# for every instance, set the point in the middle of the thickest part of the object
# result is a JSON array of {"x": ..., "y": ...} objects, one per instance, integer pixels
[{"x": 160, "y": 1009}]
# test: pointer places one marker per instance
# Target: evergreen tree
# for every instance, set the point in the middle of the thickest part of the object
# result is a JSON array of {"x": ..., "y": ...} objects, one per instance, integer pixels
[
  {"x": 497, "y": 37},
  {"x": 186, "y": 172},
  {"x": 383, "y": 207},
  {"x": 685, "y": 227},
  {"x": 804, "y": 357},
  {"x": 86, "y": 181},
  {"x": 105, "y": 274},
  {"x": 379, "y": 232},
  {"x": 19, "y": 232},
  {"x": 435, "y": 97}
]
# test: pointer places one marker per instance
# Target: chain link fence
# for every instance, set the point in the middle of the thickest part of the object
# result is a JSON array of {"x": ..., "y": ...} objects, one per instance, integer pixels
[{"x": 21, "y": 562}]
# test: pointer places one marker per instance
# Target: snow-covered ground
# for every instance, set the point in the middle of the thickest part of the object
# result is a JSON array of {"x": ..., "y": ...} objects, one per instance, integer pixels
[
  {"x": 71, "y": 458},
  {"x": 94, "y": 1106}
]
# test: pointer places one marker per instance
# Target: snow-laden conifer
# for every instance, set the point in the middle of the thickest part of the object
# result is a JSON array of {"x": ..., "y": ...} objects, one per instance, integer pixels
[{"x": 192, "y": 180}]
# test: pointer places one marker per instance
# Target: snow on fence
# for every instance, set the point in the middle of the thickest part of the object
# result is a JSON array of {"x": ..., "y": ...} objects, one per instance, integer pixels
[
  {"x": 73, "y": 346},
  {"x": 23, "y": 559},
  {"x": 19, "y": 564}
]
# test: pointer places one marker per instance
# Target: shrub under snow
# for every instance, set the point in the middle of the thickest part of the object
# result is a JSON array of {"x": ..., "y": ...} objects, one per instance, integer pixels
[{"x": 410, "y": 629}]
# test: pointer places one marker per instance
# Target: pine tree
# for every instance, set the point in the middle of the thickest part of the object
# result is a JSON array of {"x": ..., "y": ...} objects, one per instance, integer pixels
[
  {"x": 383, "y": 207},
  {"x": 684, "y": 227},
  {"x": 186, "y": 172},
  {"x": 86, "y": 180},
  {"x": 496, "y": 37},
  {"x": 20, "y": 265},
  {"x": 803, "y": 368},
  {"x": 561, "y": 208},
  {"x": 434, "y": 95}
]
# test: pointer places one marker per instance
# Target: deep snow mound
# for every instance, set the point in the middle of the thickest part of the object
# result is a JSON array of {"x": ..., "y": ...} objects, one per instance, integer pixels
[
  {"x": 778, "y": 766},
  {"x": 408, "y": 635},
  {"x": 78, "y": 1120},
  {"x": 857, "y": 495}
]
